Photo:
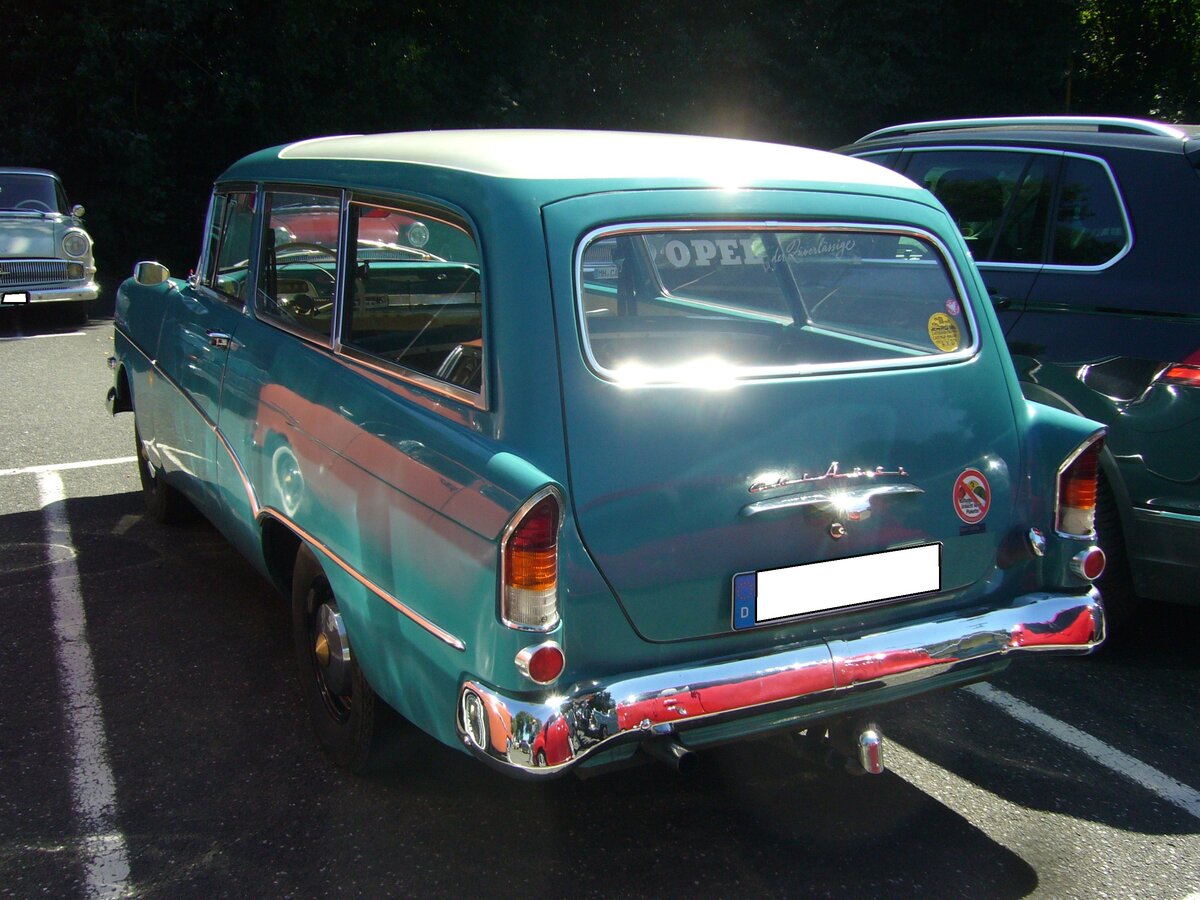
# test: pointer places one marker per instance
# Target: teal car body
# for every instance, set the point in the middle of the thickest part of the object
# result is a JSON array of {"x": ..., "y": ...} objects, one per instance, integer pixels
[{"x": 569, "y": 443}]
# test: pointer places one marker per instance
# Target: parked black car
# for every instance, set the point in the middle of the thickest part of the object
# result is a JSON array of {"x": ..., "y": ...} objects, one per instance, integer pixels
[{"x": 1085, "y": 231}]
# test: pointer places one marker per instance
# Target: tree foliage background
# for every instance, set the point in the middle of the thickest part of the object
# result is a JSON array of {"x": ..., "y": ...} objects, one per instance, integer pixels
[{"x": 140, "y": 104}]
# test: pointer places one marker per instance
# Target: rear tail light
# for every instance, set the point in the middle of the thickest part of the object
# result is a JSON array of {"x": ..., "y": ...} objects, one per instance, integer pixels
[
  {"x": 529, "y": 550},
  {"x": 1076, "y": 515},
  {"x": 1186, "y": 372}
]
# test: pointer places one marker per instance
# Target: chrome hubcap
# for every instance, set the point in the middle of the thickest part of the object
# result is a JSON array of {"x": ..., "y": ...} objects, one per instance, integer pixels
[{"x": 332, "y": 651}]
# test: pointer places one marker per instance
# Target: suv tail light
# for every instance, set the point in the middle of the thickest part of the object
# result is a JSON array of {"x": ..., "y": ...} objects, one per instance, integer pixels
[
  {"x": 529, "y": 598},
  {"x": 1076, "y": 514},
  {"x": 1186, "y": 372}
]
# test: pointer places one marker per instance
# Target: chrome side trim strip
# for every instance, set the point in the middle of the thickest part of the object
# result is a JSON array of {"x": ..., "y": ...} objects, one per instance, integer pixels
[
  {"x": 260, "y": 513},
  {"x": 438, "y": 632},
  {"x": 545, "y": 735},
  {"x": 1142, "y": 512}
]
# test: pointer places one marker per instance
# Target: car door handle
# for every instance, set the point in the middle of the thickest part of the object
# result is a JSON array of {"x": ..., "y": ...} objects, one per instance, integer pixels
[
  {"x": 219, "y": 339},
  {"x": 856, "y": 504},
  {"x": 999, "y": 301}
]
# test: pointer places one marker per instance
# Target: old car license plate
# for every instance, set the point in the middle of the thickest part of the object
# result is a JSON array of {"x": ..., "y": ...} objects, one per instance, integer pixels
[
  {"x": 760, "y": 598},
  {"x": 16, "y": 297}
]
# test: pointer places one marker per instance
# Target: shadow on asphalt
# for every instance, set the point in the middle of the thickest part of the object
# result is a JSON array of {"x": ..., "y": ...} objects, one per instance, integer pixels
[{"x": 220, "y": 784}]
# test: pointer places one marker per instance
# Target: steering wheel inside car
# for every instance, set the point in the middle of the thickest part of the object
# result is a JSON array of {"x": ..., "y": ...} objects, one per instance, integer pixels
[{"x": 34, "y": 204}]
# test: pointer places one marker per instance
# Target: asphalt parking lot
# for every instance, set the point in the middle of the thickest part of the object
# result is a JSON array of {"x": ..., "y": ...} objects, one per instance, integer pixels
[{"x": 154, "y": 742}]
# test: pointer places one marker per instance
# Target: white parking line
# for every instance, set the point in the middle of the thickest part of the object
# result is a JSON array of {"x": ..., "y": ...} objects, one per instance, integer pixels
[
  {"x": 60, "y": 467},
  {"x": 1164, "y": 786},
  {"x": 30, "y": 337},
  {"x": 92, "y": 786},
  {"x": 1073, "y": 856}
]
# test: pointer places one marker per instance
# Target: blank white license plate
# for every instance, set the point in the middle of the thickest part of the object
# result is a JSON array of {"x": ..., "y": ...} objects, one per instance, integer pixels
[
  {"x": 16, "y": 297},
  {"x": 760, "y": 598}
]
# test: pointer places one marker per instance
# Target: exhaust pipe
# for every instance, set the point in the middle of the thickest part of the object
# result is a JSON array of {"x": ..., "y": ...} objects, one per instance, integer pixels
[
  {"x": 673, "y": 753},
  {"x": 870, "y": 750}
]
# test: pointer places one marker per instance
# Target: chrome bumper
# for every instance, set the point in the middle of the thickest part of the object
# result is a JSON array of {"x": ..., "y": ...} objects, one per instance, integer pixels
[
  {"x": 60, "y": 294},
  {"x": 545, "y": 737}
]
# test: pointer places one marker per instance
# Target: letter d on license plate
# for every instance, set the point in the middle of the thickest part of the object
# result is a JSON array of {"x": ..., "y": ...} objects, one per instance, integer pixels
[{"x": 760, "y": 598}]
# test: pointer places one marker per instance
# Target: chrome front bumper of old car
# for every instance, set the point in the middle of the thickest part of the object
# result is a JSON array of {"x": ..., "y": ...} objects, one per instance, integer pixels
[
  {"x": 69, "y": 293},
  {"x": 547, "y": 736}
]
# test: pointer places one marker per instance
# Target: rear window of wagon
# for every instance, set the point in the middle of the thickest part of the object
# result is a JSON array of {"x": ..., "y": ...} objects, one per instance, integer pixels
[{"x": 682, "y": 303}]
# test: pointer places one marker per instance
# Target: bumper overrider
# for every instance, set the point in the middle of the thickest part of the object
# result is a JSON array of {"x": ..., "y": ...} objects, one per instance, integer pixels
[{"x": 547, "y": 736}]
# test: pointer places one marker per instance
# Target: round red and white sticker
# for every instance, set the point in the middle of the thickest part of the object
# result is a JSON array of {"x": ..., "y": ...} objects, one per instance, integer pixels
[{"x": 972, "y": 496}]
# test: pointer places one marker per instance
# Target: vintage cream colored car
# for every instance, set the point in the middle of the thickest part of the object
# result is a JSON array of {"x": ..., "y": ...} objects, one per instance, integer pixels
[{"x": 45, "y": 253}]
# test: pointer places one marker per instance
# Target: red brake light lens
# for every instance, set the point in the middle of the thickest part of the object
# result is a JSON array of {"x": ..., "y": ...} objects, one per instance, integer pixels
[
  {"x": 1077, "y": 492},
  {"x": 1185, "y": 372}
]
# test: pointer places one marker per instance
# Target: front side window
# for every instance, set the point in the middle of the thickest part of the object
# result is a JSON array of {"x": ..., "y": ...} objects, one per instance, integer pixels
[
  {"x": 1090, "y": 228},
  {"x": 231, "y": 236},
  {"x": 683, "y": 303},
  {"x": 298, "y": 275},
  {"x": 413, "y": 297},
  {"x": 1000, "y": 200}
]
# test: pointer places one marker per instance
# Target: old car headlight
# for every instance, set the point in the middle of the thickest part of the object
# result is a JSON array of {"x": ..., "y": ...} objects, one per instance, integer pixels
[
  {"x": 74, "y": 271},
  {"x": 75, "y": 243}
]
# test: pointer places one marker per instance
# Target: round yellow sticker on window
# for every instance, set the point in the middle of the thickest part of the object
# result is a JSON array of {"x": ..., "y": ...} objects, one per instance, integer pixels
[{"x": 944, "y": 333}]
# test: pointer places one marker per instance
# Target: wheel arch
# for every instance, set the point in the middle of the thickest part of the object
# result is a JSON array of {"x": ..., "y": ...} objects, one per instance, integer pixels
[{"x": 279, "y": 548}]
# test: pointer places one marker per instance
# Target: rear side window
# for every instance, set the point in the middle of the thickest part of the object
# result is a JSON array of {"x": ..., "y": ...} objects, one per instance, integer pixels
[
  {"x": 1090, "y": 228},
  {"x": 688, "y": 304},
  {"x": 1000, "y": 201},
  {"x": 413, "y": 298}
]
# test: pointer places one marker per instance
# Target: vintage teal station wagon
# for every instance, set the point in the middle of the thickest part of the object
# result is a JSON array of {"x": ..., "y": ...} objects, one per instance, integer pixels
[{"x": 568, "y": 445}]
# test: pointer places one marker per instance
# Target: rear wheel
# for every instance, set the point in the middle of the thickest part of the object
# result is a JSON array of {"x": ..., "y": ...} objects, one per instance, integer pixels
[
  {"x": 164, "y": 503},
  {"x": 340, "y": 703},
  {"x": 1116, "y": 584}
]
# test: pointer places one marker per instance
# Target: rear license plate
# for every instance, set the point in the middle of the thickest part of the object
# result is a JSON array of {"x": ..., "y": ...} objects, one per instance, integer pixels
[
  {"x": 16, "y": 297},
  {"x": 760, "y": 598}
]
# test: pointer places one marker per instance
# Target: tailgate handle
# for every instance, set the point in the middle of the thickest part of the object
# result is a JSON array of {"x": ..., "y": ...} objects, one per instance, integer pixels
[{"x": 856, "y": 503}]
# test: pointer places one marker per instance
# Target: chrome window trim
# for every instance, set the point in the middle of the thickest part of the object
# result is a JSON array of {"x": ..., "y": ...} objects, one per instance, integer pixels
[
  {"x": 747, "y": 375},
  {"x": 1131, "y": 125},
  {"x": 550, "y": 490},
  {"x": 263, "y": 512},
  {"x": 1062, "y": 154},
  {"x": 1063, "y": 466}
]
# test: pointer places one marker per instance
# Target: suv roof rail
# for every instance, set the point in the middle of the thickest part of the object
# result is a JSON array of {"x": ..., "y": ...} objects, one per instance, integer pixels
[{"x": 1100, "y": 123}]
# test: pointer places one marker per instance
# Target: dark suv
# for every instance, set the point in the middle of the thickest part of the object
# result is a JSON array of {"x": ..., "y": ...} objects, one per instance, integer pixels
[{"x": 1087, "y": 234}]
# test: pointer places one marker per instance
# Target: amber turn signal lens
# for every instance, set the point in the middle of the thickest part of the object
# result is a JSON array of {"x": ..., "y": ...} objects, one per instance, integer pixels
[{"x": 532, "y": 550}]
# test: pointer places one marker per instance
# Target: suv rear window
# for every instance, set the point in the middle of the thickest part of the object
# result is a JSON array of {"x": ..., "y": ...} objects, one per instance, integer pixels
[{"x": 686, "y": 304}]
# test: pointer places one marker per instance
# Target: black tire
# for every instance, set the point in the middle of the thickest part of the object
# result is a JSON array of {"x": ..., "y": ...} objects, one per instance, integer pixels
[
  {"x": 341, "y": 705},
  {"x": 164, "y": 503},
  {"x": 1116, "y": 584}
]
